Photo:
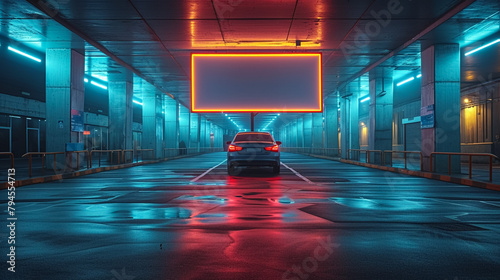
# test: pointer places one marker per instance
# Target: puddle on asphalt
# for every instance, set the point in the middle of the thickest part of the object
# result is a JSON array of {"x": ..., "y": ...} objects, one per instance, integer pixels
[
  {"x": 204, "y": 198},
  {"x": 378, "y": 204},
  {"x": 162, "y": 213}
]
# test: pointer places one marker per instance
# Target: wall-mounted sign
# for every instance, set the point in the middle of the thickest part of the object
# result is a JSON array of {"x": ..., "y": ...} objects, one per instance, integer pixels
[
  {"x": 76, "y": 120},
  {"x": 427, "y": 119}
]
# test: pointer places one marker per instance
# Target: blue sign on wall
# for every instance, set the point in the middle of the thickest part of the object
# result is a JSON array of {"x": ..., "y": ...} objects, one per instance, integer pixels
[
  {"x": 76, "y": 120},
  {"x": 427, "y": 119}
]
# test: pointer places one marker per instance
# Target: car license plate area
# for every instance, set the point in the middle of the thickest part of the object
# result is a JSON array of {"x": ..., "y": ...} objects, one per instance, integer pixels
[{"x": 253, "y": 150}]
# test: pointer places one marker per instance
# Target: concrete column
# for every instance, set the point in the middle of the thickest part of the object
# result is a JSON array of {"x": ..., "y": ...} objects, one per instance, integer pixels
[
  {"x": 354, "y": 122},
  {"x": 300, "y": 132},
  {"x": 349, "y": 123},
  {"x": 381, "y": 111},
  {"x": 317, "y": 130},
  {"x": 308, "y": 130},
  {"x": 209, "y": 135},
  {"x": 152, "y": 121},
  {"x": 171, "y": 123},
  {"x": 184, "y": 123},
  {"x": 218, "y": 135},
  {"x": 65, "y": 92},
  {"x": 293, "y": 132},
  {"x": 331, "y": 123},
  {"x": 194, "y": 131},
  {"x": 289, "y": 129},
  {"x": 441, "y": 97},
  {"x": 203, "y": 133},
  {"x": 120, "y": 93}
]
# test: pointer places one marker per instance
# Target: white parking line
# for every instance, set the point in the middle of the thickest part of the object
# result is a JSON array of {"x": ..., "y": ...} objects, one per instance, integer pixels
[
  {"x": 298, "y": 174},
  {"x": 206, "y": 172}
]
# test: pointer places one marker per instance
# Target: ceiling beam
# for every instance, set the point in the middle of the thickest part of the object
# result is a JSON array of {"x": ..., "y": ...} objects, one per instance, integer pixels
[
  {"x": 49, "y": 11},
  {"x": 455, "y": 10}
]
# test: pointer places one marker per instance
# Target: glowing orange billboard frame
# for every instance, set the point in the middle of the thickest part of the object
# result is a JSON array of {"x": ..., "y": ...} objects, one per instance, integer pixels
[{"x": 276, "y": 108}]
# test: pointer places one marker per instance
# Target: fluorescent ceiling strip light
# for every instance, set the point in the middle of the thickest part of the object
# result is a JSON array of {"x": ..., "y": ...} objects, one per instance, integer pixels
[
  {"x": 98, "y": 85},
  {"x": 480, "y": 48},
  {"x": 24, "y": 54},
  {"x": 365, "y": 99},
  {"x": 406, "y": 81}
]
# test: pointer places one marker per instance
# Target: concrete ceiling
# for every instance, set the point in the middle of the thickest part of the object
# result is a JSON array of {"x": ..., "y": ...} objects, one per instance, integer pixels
[{"x": 154, "y": 38}]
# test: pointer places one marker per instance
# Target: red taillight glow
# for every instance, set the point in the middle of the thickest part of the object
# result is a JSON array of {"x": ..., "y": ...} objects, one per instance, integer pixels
[
  {"x": 233, "y": 148},
  {"x": 274, "y": 148}
]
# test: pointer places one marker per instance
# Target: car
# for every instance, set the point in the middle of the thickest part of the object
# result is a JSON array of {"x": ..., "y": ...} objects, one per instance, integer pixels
[{"x": 253, "y": 149}]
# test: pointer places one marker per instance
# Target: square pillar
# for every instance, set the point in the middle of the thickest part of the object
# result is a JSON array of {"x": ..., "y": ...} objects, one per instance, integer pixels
[
  {"x": 152, "y": 121},
  {"x": 203, "y": 132},
  {"x": 184, "y": 123},
  {"x": 349, "y": 123},
  {"x": 308, "y": 130},
  {"x": 381, "y": 112},
  {"x": 194, "y": 131},
  {"x": 441, "y": 102},
  {"x": 300, "y": 132},
  {"x": 65, "y": 92},
  {"x": 293, "y": 133},
  {"x": 331, "y": 124},
  {"x": 120, "y": 93},
  {"x": 317, "y": 130},
  {"x": 171, "y": 108}
]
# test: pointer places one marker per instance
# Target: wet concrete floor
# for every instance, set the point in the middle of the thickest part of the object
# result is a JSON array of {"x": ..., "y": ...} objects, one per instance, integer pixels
[{"x": 318, "y": 219}]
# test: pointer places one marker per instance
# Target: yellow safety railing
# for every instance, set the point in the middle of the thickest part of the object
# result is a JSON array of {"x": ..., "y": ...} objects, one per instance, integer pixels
[
  {"x": 78, "y": 158},
  {"x": 470, "y": 155},
  {"x": 111, "y": 152},
  {"x": 43, "y": 154},
  {"x": 405, "y": 157},
  {"x": 367, "y": 152}
]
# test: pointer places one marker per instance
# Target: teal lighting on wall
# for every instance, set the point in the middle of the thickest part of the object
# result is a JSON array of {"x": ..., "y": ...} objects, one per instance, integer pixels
[
  {"x": 405, "y": 81},
  {"x": 98, "y": 85},
  {"x": 99, "y": 76},
  {"x": 24, "y": 54},
  {"x": 482, "y": 47}
]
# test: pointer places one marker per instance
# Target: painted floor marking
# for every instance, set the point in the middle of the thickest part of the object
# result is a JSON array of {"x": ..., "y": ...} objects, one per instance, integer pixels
[
  {"x": 298, "y": 174},
  {"x": 206, "y": 172}
]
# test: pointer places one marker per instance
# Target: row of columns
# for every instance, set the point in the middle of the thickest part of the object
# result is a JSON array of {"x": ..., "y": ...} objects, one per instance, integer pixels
[
  {"x": 165, "y": 122},
  {"x": 440, "y": 94}
]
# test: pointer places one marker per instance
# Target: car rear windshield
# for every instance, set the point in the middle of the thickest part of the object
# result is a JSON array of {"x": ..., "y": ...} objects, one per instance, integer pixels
[{"x": 253, "y": 137}]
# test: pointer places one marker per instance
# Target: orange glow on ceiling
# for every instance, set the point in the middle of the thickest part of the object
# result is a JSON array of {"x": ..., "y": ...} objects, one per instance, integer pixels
[
  {"x": 276, "y": 108},
  {"x": 308, "y": 42},
  {"x": 254, "y": 44}
]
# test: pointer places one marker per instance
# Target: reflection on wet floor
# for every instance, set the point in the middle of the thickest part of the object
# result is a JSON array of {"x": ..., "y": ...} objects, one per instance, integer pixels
[{"x": 348, "y": 222}]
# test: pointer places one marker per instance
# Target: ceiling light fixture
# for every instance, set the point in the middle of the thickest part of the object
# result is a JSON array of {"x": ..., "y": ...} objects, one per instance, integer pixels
[
  {"x": 24, "y": 54},
  {"x": 405, "y": 81},
  {"x": 483, "y": 47}
]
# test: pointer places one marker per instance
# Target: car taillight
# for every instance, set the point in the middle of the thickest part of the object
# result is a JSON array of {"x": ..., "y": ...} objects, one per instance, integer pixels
[
  {"x": 233, "y": 148},
  {"x": 274, "y": 148}
]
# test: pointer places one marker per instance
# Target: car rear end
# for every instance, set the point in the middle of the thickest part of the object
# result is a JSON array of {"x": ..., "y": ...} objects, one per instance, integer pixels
[{"x": 257, "y": 152}]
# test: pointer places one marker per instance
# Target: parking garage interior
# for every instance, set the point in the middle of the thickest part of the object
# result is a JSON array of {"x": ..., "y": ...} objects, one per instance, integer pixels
[{"x": 112, "y": 172}]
